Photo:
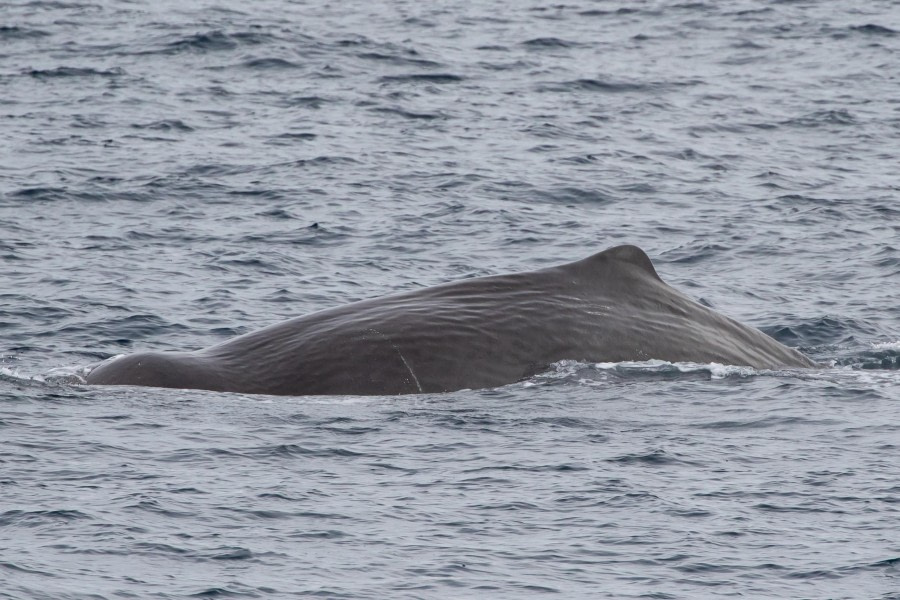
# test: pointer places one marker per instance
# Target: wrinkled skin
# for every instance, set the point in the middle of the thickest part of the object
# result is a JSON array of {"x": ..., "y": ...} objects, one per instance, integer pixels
[{"x": 474, "y": 333}]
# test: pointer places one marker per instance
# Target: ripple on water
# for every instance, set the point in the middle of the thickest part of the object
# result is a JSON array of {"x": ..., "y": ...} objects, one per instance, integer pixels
[{"x": 177, "y": 177}]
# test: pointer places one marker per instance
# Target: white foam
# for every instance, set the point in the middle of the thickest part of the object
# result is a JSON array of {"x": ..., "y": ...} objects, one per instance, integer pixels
[
  {"x": 716, "y": 370},
  {"x": 70, "y": 374},
  {"x": 886, "y": 345},
  {"x": 8, "y": 372},
  {"x": 18, "y": 375},
  {"x": 569, "y": 368}
]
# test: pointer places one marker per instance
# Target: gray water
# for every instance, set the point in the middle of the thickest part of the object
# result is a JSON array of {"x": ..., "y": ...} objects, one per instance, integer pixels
[{"x": 176, "y": 173}]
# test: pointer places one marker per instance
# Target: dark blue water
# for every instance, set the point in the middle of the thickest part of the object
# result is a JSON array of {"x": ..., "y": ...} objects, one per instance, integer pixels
[{"x": 175, "y": 173}]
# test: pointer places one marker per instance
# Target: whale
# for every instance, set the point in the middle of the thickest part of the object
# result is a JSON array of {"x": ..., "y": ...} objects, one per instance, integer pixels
[{"x": 473, "y": 333}]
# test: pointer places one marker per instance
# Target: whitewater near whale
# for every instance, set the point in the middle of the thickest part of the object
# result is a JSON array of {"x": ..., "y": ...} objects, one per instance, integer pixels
[{"x": 474, "y": 333}]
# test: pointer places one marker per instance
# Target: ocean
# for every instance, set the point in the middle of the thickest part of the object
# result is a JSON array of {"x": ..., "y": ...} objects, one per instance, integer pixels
[{"x": 173, "y": 174}]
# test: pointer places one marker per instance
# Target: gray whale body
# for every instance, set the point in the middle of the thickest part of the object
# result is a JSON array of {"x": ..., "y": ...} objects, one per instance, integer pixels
[{"x": 475, "y": 333}]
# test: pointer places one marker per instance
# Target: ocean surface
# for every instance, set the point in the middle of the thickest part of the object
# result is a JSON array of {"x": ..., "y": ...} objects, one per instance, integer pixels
[{"x": 175, "y": 173}]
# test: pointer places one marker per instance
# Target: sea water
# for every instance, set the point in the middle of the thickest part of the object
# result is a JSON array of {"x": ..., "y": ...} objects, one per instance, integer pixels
[{"x": 176, "y": 173}]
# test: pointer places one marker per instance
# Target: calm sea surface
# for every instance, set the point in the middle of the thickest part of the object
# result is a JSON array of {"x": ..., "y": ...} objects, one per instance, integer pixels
[{"x": 176, "y": 173}]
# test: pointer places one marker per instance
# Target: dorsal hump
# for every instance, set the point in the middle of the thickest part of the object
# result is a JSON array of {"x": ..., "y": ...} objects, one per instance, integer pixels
[{"x": 625, "y": 256}]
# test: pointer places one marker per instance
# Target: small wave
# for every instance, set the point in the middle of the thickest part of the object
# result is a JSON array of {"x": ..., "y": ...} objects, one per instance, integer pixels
[
  {"x": 518, "y": 505},
  {"x": 409, "y": 114},
  {"x": 879, "y": 355},
  {"x": 656, "y": 457},
  {"x": 73, "y": 72},
  {"x": 20, "y": 33},
  {"x": 136, "y": 327},
  {"x": 566, "y": 422},
  {"x": 860, "y": 384},
  {"x": 399, "y": 59},
  {"x": 823, "y": 117},
  {"x": 826, "y": 330},
  {"x": 301, "y": 137},
  {"x": 549, "y": 130},
  {"x": 744, "y": 44},
  {"x": 40, "y": 193},
  {"x": 886, "y": 362},
  {"x": 764, "y": 423},
  {"x": 360, "y": 430},
  {"x": 573, "y": 195},
  {"x": 269, "y": 63},
  {"x": 165, "y": 125},
  {"x": 296, "y": 451},
  {"x": 872, "y": 29},
  {"x": 28, "y": 570},
  {"x": 212, "y": 41},
  {"x": 40, "y": 518},
  {"x": 595, "y": 85},
  {"x": 321, "y": 161},
  {"x": 777, "y": 508},
  {"x": 549, "y": 468},
  {"x": 548, "y": 42},
  {"x": 231, "y": 554},
  {"x": 694, "y": 252},
  {"x": 313, "y": 102},
  {"x": 422, "y": 78},
  {"x": 598, "y": 12}
]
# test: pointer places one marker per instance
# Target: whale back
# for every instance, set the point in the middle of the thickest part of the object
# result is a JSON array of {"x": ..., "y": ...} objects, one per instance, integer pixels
[
  {"x": 656, "y": 321},
  {"x": 474, "y": 333},
  {"x": 161, "y": 369}
]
